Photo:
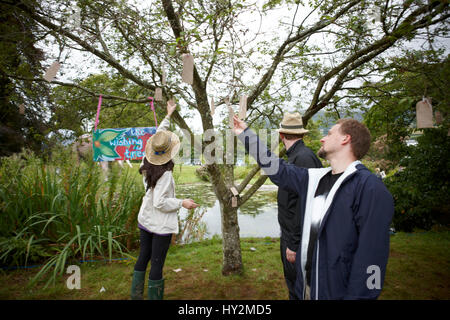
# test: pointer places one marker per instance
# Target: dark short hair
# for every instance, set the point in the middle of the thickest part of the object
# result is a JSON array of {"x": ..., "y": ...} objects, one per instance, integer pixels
[
  {"x": 360, "y": 142},
  {"x": 290, "y": 136}
]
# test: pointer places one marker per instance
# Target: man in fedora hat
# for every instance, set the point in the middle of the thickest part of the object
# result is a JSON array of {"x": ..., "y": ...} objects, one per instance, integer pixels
[
  {"x": 346, "y": 214},
  {"x": 291, "y": 134}
]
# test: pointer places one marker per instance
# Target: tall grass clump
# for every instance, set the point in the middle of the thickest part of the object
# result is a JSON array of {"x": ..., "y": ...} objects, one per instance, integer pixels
[{"x": 55, "y": 212}]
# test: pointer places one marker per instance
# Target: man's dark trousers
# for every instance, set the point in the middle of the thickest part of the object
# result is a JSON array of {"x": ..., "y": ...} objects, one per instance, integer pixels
[{"x": 290, "y": 273}]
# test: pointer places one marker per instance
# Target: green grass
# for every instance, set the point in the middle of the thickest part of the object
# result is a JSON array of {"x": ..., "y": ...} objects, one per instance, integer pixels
[{"x": 418, "y": 268}]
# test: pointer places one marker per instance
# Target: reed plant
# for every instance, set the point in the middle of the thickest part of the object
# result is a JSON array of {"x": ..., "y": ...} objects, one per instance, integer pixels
[{"x": 59, "y": 211}]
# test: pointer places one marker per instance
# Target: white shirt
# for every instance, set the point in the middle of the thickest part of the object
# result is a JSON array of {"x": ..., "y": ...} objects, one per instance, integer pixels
[{"x": 159, "y": 209}]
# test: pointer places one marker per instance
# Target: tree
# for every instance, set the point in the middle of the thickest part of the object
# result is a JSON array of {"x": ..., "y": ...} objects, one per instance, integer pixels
[
  {"x": 22, "y": 103},
  {"x": 391, "y": 116},
  {"x": 231, "y": 59},
  {"x": 421, "y": 190},
  {"x": 131, "y": 111}
]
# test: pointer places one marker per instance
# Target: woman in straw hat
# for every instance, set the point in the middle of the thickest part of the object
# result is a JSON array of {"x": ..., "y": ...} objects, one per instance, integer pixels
[{"x": 158, "y": 216}]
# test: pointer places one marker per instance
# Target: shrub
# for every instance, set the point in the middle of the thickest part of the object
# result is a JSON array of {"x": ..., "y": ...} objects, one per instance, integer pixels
[
  {"x": 421, "y": 189},
  {"x": 63, "y": 210}
]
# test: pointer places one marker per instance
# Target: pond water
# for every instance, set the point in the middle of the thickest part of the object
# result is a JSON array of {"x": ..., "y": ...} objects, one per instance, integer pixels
[{"x": 257, "y": 217}]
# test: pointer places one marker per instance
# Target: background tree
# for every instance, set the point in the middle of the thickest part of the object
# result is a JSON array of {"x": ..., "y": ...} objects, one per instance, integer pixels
[
  {"x": 23, "y": 104},
  {"x": 391, "y": 102},
  {"x": 421, "y": 189},
  {"x": 315, "y": 52}
]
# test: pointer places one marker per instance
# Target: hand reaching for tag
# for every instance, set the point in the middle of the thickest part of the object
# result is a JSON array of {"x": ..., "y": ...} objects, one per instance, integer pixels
[
  {"x": 239, "y": 125},
  {"x": 171, "y": 106}
]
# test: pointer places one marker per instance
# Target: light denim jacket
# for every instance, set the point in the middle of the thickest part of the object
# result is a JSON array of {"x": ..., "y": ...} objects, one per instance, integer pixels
[{"x": 159, "y": 209}]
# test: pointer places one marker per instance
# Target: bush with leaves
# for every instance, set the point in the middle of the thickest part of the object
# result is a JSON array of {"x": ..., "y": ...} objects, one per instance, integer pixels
[
  {"x": 421, "y": 190},
  {"x": 56, "y": 212}
]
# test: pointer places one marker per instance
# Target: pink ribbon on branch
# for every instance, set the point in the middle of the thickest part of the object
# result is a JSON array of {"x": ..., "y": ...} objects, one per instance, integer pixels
[
  {"x": 98, "y": 111},
  {"x": 153, "y": 109}
]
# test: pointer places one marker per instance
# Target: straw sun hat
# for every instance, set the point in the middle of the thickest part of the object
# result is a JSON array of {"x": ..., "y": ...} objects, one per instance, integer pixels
[
  {"x": 292, "y": 124},
  {"x": 162, "y": 147}
]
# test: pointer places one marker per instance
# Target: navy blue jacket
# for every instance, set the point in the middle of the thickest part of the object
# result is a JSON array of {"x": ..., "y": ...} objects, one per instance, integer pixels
[{"x": 353, "y": 238}]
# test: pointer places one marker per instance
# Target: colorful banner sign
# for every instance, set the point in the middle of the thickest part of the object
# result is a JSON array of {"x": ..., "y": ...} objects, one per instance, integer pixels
[{"x": 121, "y": 144}]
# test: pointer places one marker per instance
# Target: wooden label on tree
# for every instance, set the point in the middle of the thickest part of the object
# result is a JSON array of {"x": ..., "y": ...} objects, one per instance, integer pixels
[
  {"x": 234, "y": 203},
  {"x": 51, "y": 72},
  {"x": 163, "y": 77},
  {"x": 424, "y": 114},
  {"x": 438, "y": 117},
  {"x": 230, "y": 113},
  {"x": 243, "y": 107},
  {"x": 212, "y": 107},
  {"x": 22, "y": 108},
  {"x": 158, "y": 94},
  {"x": 188, "y": 68}
]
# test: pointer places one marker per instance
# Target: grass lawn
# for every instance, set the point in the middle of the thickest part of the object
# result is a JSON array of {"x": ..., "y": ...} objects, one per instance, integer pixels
[{"x": 418, "y": 268}]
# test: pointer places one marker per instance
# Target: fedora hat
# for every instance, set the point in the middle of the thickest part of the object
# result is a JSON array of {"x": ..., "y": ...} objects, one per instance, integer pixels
[
  {"x": 162, "y": 147},
  {"x": 292, "y": 124}
]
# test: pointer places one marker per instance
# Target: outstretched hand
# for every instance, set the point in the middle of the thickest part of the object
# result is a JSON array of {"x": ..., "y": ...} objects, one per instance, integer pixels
[
  {"x": 189, "y": 204},
  {"x": 239, "y": 125},
  {"x": 171, "y": 106}
]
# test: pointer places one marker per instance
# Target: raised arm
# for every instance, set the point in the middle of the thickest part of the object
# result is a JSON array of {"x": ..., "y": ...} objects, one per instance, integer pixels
[
  {"x": 284, "y": 175},
  {"x": 164, "y": 125}
]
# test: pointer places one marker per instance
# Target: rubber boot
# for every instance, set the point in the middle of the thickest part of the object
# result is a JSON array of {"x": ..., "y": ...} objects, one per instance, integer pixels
[
  {"x": 155, "y": 289},
  {"x": 137, "y": 285}
]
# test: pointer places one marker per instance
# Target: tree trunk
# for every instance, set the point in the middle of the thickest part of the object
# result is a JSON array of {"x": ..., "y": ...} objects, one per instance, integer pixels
[{"x": 232, "y": 259}]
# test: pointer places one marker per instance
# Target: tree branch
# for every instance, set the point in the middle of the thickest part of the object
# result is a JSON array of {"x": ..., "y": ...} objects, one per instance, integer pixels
[
  {"x": 366, "y": 54},
  {"x": 288, "y": 45},
  {"x": 101, "y": 54}
]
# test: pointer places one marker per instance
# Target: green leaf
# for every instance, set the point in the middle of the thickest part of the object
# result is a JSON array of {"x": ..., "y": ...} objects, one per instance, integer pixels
[
  {"x": 108, "y": 136},
  {"x": 107, "y": 151}
]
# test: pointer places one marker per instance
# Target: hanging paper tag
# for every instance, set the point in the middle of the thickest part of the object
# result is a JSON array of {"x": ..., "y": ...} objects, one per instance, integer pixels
[
  {"x": 51, "y": 72},
  {"x": 234, "y": 202},
  {"x": 22, "y": 108},
  {"x": 230, "y": 113},
  {"x": 438, "y": 117},
  {"x": 424, "y": 114},
  {"x": 163, "y": 77},
  {"x": 158, "y": 94},
  {"x": 234, "y": 191},
  {"x": 188, "y": 68},
  {"x": 243, "y": 107},
  {"x": 212, "y": 107}
]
